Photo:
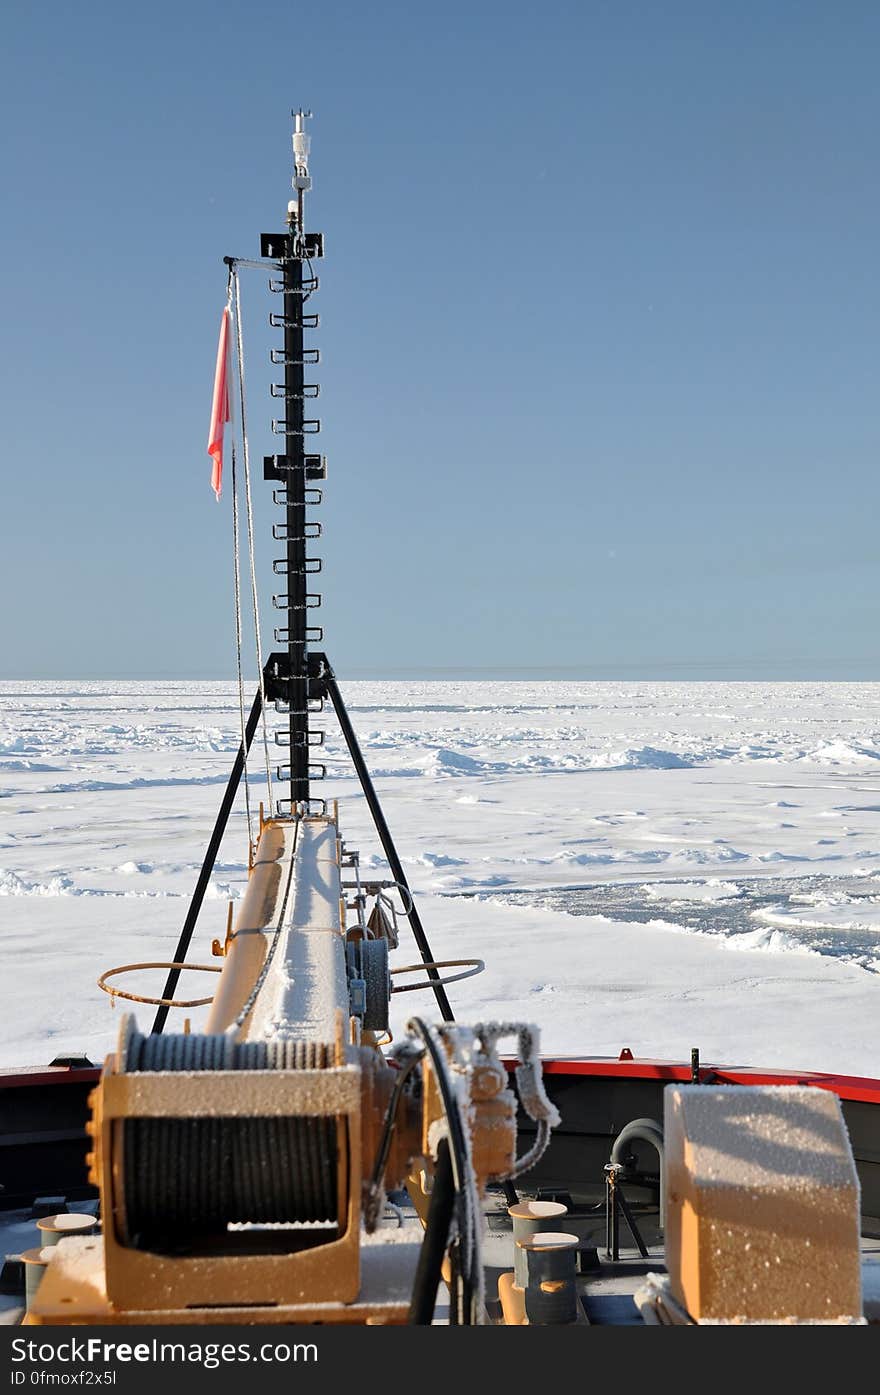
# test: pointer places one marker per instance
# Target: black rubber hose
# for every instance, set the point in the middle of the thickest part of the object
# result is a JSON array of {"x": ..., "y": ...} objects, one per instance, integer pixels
[
  {"x": 469, "y": 1281},
  {"x": 378, "y": 1172},
  {"x": 435, "y": 1241}
]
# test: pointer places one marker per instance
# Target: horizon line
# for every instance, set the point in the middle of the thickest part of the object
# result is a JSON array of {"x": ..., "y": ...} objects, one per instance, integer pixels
[{"x": 501, "y": 673}]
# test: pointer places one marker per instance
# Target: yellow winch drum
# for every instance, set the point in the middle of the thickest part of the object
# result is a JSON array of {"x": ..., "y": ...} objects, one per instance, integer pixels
[{"x": 184, "y": 1181}]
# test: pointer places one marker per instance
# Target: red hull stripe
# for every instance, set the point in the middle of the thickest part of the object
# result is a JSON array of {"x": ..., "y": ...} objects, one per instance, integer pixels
[
  {"x": 847, "y": 1087},
  {"x": 49, "y": 1075}
]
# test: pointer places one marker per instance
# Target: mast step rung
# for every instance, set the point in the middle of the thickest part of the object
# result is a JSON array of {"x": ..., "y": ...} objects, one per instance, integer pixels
[
  {"x": 310, "y": 427},
  {"x": 317, "y": 771},
  {"x": 304, "y": 321},
  {"x": 309, "y": 390},
  {"x": 310, "y": 738},
  {"x": 311, "y": 567},
  {"x": 317, "y": 807},
  {"x": 311, "y": 530},
  {"x": 309, "y": 356},
  {"x": 280, "y": 601},
  {"x": 285, "y": 710},
  {"x": 279, "y": 467},
  {"x": 314, "y": 635},
  {"x": 309, "y": 284}
]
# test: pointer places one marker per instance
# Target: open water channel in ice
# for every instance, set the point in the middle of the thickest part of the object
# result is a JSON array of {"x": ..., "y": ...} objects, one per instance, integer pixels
[{"x": 834, "y": 916}]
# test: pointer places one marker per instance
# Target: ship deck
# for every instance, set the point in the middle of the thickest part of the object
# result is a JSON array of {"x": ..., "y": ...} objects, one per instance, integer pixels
[
  {"x": 606, "y": 1288},
  {"x": 44, "y": 1142}
]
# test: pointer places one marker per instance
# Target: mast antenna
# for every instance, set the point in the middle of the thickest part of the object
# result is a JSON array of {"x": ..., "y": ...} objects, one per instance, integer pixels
[{"x": 301, "y": 181}]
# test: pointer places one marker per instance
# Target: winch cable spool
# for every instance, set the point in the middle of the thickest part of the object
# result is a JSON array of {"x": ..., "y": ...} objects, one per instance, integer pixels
[
  {"x": 369, "y": 982},
  {"x": 186, "y": 1180}
]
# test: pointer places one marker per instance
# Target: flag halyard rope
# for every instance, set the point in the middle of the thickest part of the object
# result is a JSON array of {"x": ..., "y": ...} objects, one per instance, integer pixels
[
  {"x": 235, "y": 293},
  {"x": 237, "y": 579},
  {"x": 236, "y": 573}
]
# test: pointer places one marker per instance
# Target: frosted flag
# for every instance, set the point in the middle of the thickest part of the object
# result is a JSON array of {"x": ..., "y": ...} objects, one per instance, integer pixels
[{"x": 220, "y": 405}]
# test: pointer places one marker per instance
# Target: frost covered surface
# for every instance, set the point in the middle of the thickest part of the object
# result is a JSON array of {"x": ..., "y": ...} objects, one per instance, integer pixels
[{"x": 603, "y": 846}]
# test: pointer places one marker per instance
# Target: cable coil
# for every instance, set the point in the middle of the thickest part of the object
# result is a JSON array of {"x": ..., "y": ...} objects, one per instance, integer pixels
[{"x": 185, "y": 1181}]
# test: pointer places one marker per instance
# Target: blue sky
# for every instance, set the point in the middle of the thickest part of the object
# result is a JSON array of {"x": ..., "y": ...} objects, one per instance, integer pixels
[{"x": 600, "y": 316}]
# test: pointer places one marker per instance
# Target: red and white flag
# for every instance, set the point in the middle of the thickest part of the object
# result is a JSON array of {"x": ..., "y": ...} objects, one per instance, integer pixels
[{"x": 220, "y": 405}]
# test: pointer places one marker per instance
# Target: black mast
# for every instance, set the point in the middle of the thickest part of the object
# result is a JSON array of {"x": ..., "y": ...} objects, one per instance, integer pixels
[
  {"x": 296, "y": 468},
  {"x": 296, "y": 682},
  {"x": 294, "y": 413}
]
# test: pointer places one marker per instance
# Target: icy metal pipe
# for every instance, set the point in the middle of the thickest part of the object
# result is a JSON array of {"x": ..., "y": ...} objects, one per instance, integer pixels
[{"x": 644, "y": 1131}]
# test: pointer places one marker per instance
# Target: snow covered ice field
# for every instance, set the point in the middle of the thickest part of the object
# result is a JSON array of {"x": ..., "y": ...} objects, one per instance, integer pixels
[{"x": 651, "y": 865}]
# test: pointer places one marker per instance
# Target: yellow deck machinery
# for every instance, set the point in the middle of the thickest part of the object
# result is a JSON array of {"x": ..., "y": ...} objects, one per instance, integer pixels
[{"x": 243, "y": 1170}]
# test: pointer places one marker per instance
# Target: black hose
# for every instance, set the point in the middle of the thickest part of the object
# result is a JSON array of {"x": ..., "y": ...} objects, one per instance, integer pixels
[
  {"x": 435, "y": 1241},
  {"x": 374, "y": 1188},
  {"x": 468, "y": 1282}
]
